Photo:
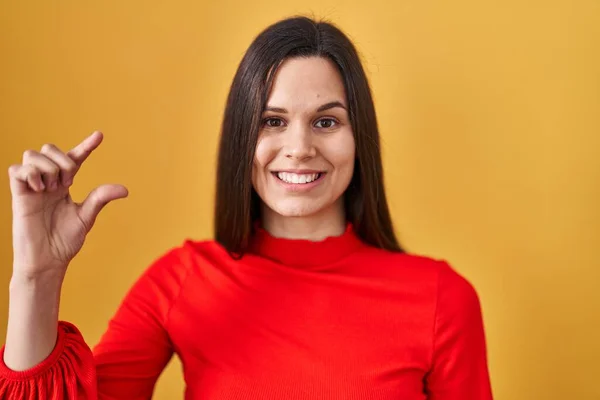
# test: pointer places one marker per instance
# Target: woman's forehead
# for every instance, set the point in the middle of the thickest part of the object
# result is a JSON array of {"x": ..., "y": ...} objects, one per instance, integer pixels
[{"x": 301, "y": 83}]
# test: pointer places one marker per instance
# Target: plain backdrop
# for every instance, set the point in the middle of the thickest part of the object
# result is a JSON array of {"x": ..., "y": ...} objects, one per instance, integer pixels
[{"x": 490, "y": 122}]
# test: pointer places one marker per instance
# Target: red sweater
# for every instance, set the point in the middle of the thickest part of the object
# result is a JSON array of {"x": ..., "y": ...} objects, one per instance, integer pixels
[{"x": 292, "y": 319}]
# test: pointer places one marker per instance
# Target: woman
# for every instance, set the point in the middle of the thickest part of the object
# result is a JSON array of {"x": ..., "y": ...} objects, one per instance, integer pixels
[{"x": 303, "y": 294}]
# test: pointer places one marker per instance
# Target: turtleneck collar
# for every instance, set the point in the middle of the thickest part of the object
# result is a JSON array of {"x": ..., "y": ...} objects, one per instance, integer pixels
[{"x": 304, "y": 253}]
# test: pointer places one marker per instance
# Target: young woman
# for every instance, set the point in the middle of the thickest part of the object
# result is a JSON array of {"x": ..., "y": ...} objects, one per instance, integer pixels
[{"x": 304, "y": 293}]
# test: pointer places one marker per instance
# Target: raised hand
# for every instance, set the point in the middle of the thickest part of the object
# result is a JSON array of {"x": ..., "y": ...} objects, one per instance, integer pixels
[{"x": 49, "y": 228}]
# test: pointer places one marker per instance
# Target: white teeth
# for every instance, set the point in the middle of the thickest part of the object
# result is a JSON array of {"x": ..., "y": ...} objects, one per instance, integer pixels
[{"x": 289, "y": 177}]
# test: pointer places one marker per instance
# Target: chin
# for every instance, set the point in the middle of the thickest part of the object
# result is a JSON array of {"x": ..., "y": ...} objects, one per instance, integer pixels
[{"x": 296, "y": 208}]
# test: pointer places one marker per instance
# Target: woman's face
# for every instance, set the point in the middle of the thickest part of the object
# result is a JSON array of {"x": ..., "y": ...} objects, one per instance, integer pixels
[{"x": 305, "y": 151}]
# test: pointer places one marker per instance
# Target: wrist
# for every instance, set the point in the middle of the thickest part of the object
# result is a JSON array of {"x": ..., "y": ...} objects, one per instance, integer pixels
[
  {"x": 34, "y": 302},
  {"x": 39, "y": 282}
]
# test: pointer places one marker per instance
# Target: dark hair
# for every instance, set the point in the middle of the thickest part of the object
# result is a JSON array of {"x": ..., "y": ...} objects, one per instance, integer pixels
[{"x": 237, "y": 205}]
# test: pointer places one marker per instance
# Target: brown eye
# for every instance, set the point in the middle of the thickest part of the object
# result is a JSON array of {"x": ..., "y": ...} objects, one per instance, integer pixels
[
  {"x": 326, "y": 123},
  {"x": 273, "y": 122}
]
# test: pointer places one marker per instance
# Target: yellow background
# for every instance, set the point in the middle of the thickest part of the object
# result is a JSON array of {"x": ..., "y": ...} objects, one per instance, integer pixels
[{"x": 490, "y": 117}]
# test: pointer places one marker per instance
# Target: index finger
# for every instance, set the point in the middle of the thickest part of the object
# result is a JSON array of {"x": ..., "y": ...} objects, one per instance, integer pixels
[{"x": 80, "y": 152}]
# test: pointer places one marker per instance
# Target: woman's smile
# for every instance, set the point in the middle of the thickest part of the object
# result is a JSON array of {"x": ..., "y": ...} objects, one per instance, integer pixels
[{"x": 299, "y": 180}]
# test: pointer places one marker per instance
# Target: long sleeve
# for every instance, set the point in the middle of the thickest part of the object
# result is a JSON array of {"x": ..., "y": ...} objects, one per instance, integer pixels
[
  {"x": 127, "y": 361},
  {"x": 459, "y": 365}
]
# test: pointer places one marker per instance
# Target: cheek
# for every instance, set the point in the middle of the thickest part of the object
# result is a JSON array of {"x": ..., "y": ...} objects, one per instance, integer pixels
[
  {"x": 264, "y": 154},
  {"x": 343, "y": 154}
]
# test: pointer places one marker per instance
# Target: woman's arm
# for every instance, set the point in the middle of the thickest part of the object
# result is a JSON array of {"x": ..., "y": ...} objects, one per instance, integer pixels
[
  {"x": 459, "y": 363},
  {"x": 137, "y": 346},
  {"x": 48, "y": 230}
]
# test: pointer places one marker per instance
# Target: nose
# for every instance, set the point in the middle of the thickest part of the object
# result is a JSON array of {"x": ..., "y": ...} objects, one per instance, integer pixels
[{"x": 299, "y": 144}]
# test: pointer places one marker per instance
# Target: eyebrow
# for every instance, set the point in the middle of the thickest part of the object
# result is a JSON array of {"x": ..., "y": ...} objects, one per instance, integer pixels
[{"x": 324, "y": 107}]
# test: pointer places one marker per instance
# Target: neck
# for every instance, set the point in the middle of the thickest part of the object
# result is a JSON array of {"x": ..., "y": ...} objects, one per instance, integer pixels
[{"x": 316, "y": 227}]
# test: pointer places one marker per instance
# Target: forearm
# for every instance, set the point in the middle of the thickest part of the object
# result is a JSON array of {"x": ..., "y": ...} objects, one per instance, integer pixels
[{"x": 32, "y": 320}]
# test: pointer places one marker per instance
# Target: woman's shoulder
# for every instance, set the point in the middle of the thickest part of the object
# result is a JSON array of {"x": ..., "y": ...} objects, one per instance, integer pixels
[
  {"x": 179, "y": 257},
  {"x": 189, "y": 251},
  {"x": 451, "y": 284},
  {"x": 420, "y": 267},
  {"x": 402, "y": 260}
]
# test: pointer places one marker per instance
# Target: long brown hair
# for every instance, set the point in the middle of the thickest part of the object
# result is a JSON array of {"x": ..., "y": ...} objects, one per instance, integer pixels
[{"x": 237, "y": 205}]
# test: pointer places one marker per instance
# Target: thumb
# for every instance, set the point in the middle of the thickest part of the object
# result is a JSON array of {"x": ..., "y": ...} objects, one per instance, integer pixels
[{"x": 97, "y": 199}]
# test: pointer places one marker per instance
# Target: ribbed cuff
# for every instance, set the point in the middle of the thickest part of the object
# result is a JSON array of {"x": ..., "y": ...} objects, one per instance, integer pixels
[{"x": 64, "y": 330}]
